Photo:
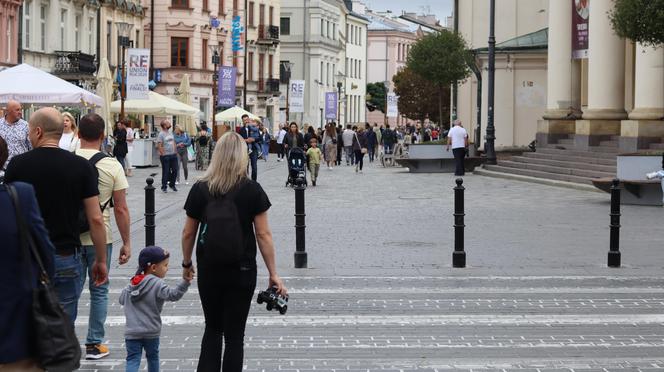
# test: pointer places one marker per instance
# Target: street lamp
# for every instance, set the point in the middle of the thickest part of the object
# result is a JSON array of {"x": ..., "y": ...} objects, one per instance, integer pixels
[
  {"x": 216, "y": 60},
  {"x": 123, "y": 40},
  {"x": 387, "y": 91},
  {"x": 288, "y": 67},
  {"x": 490, "y": 128},
  {"x": 340, "y": 84}
]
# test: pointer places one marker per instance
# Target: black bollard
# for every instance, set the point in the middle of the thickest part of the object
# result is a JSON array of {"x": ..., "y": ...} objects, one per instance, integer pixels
[
  {"x": 300, "y": 253},
  {"x": 614, "y": 244},
  {"x": 149, "y": 212},
  {"x": 459, "y": 255}
]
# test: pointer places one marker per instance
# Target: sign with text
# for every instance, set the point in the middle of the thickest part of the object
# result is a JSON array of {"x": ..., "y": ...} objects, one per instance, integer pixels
[
  {"x": 331, "y": 105},
  {"x": 392, "y": 105},
  {"x": 296, "y": 96},
  {"x": 580, "y": 17},
  {"x": 236, "y": 33},
  {"x": 226, "y": 89},
  {"x": 138, "y": 71}
]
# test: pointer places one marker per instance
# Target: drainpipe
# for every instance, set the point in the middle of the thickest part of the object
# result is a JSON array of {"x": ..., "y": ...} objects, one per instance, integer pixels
[
  {"x": 19, "y": 56},
  {"x": 99, "y": 36},
  {"x": 152, "y": 41},
  {"x": 304, "y": 49},
  {"x": 246, "y": 51},
  {"x": 455, "y": 86}
]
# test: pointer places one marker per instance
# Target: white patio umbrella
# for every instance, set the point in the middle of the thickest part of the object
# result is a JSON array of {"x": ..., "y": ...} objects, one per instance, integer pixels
[
  {"x": 234, "y": 114},
  {"x": 27, "y": 84},
  {"x": 105, "y": 91},
  {"x": 185, "y": 97},
  {"x": 155, "y": 105}
]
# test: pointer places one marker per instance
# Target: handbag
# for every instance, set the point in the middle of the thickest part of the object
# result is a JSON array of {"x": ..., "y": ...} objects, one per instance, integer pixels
[
  {"x": 52, "y": 334},
  {"x": 191, "y": 154}
]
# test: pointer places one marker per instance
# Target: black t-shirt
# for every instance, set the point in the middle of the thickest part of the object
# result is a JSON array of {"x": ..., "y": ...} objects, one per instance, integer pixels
[
  {"x": 250, "y": 200},
  {"x": 61, "y": 181}
]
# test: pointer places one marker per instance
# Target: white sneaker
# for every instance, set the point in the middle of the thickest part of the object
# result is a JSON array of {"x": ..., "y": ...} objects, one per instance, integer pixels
[
  {"x": 177, "y": 182},
  {"x": 186, "y": 182}
]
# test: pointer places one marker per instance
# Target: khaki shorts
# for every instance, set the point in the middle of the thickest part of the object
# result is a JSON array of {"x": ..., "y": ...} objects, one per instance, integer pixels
[{"x": 26, "y": 365}]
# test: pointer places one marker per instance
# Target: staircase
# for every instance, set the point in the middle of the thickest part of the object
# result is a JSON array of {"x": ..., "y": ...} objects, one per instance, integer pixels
[{"x": 562, "y": 162}]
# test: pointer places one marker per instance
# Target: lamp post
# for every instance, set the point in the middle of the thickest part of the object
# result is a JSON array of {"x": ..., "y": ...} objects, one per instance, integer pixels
[
  {"x": 387, "y": 91},
  {"x": 288, "y": 67},
  {"x": 215, "y": 81},
  {"x": 490, "y": 128},
  {"x": 340, "y": 84},
  {"x": 123, "y": 40}
]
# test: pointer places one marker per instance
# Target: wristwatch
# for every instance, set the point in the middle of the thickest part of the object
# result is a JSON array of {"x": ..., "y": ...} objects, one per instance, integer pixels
[{"x": 187, "y": 265}]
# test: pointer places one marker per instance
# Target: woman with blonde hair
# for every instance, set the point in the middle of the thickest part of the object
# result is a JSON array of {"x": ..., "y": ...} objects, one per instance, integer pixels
[
  {"x": 229, "y": 212},
  {"x": 69, "y": 140}
]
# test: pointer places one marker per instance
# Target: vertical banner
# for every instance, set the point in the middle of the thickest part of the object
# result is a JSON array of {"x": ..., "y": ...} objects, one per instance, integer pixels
[
  {"x": 296, "y": 97},
  {"x": 226, "y": 89},
  {"x": 138, "y": 73},
  {"x": 392, "y": 105},
  {"x": 580, "y": 15},
  {"x": 331, "y": 106},
  {"x": 237, "y": 29}
]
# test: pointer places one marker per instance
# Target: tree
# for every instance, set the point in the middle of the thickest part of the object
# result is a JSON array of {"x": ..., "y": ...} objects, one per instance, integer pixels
[
  {"x": 376, "y": 95},
  {"x": 418, "y": 97},
  {"x": 440, "y": 58},
  {"x": 639, "y": 20}
]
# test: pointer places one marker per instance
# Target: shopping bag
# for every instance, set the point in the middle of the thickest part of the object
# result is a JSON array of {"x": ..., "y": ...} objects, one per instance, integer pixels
[{"x": 191, "y": 153}]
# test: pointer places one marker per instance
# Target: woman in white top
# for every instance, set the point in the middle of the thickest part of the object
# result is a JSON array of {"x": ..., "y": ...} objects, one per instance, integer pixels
[{"x": 69, "y": 140}]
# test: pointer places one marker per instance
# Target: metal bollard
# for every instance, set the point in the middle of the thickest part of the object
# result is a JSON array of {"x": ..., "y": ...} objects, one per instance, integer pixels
[
  {"x": 614, "y": 244},
  {"x": 300, "y": 253},
  {"x": 459, "y": 255},
  {"x": 149, "y": 212}
]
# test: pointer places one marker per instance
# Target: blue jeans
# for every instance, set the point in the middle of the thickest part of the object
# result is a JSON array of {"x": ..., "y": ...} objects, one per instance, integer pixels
[
  {"x": 135, "y": 350},
  {"x": 67, "y": 283},
  {"x": 253, "y": 160},
  {"x": 98, "y": 295},
  {"x": 266, "y": 150},
  {"x": 169, "y": 170}
]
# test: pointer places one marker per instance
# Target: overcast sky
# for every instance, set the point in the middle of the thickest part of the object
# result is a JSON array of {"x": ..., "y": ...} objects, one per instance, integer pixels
[{"x": 441, "y": 8}]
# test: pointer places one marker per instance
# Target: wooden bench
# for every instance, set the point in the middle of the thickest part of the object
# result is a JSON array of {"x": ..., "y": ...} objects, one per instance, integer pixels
[
  {"x": 638, "y": 192},
  {"x": 440, "y": 165}
]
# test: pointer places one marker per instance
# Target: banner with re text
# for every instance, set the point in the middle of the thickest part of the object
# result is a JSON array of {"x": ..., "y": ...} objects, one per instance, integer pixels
[
  {"x": 296, "y": 96},
  {"x": 226, "y": 91},
  {"x": 138, "y": 72},
  {"x": 392, "y": 105}
]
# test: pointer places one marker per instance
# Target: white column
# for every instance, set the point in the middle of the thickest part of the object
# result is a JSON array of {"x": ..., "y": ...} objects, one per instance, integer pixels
[
  {"x": 559, "y": 67},
  {"x": 649, "y": 84},
  {"x": 606, "y": 66}
]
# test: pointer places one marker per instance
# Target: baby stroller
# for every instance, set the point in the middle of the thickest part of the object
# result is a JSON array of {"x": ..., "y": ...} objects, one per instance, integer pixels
[{"x": 297, "y": 168}]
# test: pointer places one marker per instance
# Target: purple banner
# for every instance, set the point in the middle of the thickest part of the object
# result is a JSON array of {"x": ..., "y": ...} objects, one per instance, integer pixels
[
  {"x": 226, "y": 94},
  {"x": 580, "y": 15},
  {"x": 331, "y": 105}
]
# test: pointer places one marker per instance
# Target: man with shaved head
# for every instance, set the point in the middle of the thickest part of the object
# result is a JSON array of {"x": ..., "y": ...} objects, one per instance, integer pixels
[
  {"x": 63, "y": 183},
  {"x": 14, "y": 130}
]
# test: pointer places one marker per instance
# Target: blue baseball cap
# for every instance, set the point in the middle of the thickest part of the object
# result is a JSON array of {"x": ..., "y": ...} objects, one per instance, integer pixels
[{"x": 149, "y": 256}]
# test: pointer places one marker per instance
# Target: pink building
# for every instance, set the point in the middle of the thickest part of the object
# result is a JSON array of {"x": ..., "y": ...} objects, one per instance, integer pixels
[{"x": 9, "y": 18}]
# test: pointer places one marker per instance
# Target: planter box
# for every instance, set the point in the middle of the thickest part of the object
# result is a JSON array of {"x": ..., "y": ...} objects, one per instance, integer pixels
[
  {"x": 631, "y": 171},
  {"x": 423, "y": 151},
  {"x": 423, "y": 158}
]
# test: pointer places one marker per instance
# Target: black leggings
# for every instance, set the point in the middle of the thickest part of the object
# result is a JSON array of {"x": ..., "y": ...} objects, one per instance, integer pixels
[
  {"x": 359, "y": 158},
  {"x": 226, "y": 298}
]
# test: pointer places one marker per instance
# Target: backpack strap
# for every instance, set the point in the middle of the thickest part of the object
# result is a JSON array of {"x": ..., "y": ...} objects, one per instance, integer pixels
[{"x": 93, "y": 161}]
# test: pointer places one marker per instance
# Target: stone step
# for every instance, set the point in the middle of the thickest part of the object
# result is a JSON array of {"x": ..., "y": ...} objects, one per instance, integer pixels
[
  {"x": 615, "y": 138},
  {"x": 605, "y": 149},
  {"x": 566, "y": 164},
  {"x": 611, "y": 143},
  {"x": 558, "y": 170},
  {"x": 570, "y": 158},
  {"x": 569, "y": 142},
  {"x": 573, "y": 152},
  {"x": 657, "y": 146},
  {"x": 539, "y": 174}
]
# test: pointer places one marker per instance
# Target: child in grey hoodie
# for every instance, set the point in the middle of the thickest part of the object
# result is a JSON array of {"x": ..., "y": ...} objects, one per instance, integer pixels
[{"x": 143, "y": 300}]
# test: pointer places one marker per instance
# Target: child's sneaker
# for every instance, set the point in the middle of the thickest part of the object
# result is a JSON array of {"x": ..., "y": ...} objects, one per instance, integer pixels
[{"x": 98, "y": 351}]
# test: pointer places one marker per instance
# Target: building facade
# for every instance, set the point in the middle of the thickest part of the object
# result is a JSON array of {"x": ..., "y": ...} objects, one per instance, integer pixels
[
  {"x": 263, "y": 56},
  {"x": 520, "y": 74},
  {"x": 110, "y": 13},
  {"x": 617, "y": 91},
  {"x": 9, "y": 22},
  {"x": 353, "y": 88},
  {"x": 61, "y": 37}
]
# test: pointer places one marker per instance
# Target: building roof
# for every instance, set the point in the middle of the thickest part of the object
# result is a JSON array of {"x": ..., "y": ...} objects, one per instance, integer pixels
[{"x": 538, "y": 40}]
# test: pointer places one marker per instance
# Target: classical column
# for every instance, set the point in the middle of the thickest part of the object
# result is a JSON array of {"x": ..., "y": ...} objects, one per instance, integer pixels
[
  {"x": 646, "y": 122},
  {"x": 606, "y": 66},
  {"x": 649, "y": 84},
  {"x": 559, "y": 66}
]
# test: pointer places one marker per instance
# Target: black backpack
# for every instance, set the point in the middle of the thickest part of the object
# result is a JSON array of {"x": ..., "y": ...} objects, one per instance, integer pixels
[
  {"x": 203, "y": 140},
  {"x": 221, "y": 238},
  {"x": 83, "y": 225}
]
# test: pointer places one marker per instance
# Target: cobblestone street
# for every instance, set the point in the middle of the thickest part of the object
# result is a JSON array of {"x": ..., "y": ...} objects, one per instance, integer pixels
[{"x": 380, "y": 293}]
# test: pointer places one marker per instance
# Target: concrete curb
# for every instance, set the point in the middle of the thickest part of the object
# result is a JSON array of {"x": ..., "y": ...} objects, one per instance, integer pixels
[{"x": 542, "y": 181}]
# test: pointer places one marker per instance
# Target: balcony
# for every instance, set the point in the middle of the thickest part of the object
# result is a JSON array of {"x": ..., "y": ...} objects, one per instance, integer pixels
[
  {"x": 268, "y": 35},
  {"x": 268, "y": 87},
  {"x": 74, "y": 65}
]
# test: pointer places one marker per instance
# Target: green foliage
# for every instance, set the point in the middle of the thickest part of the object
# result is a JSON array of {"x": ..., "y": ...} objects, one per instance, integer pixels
[
  {"x": 440, "y": 58},
  {"x": 376, "y": 95},
  {"x": 639, "y": 20},
  {"x": 418, "y": 97}
]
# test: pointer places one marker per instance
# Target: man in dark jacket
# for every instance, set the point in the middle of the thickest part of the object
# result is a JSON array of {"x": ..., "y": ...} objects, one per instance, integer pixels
[{"x": 371, "y": 142}]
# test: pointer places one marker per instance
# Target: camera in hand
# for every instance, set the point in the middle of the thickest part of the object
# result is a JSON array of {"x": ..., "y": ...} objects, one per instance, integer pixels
[{"x": 273, "y": 300}]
